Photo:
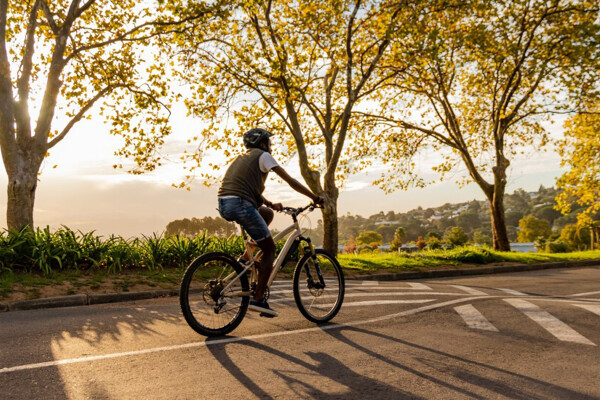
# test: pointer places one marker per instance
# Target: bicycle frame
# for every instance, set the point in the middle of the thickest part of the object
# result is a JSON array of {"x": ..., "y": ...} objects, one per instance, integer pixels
[{"x": 294, "y": 233}]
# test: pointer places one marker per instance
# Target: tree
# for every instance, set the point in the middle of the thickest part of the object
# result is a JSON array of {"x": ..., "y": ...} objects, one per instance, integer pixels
[
  {"x": 531, "y": 228},
  {"x": 483, "y": 77},
  {"x": 399, "y": 235},
  {"x": 580, "y": 151},
  {"x": 75, "y": 55},
  {"x": 455, "y": 236},
  {"x": 368, "y": 237},
  {"x": 300, "y": 69}
]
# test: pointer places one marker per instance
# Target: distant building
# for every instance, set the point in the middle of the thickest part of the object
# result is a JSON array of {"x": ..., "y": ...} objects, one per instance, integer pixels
[{"x": 528, "y": 247}]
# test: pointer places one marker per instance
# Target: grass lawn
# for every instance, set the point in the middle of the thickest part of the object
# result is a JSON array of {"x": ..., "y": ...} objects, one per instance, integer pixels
[
  {"x": 31, "y": 285},
  {"x": 401, "y": 262}
]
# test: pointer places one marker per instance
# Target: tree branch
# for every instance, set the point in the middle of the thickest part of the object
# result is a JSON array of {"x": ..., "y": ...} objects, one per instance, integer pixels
[
  {"x": 50, "y": 17},
  {"x": 77, "y": 117}
]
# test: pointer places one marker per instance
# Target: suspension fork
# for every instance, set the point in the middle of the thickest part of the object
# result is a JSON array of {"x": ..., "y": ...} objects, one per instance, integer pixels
[{"x": 310, "y": 249}]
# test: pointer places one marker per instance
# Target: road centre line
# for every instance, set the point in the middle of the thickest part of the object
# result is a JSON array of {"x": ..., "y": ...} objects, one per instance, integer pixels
[
  {"x": 556, "y": 327},
  {"x": 232, "y": 339},
  {"x": 474, "y": 319}
]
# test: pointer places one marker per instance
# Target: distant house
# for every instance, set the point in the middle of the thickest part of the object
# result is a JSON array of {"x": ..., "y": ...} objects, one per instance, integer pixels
[
  {"x": 388, "y": 223},
  {"x": 528, "y": 247}
]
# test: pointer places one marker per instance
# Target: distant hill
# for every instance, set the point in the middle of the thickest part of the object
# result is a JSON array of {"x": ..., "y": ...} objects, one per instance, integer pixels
[{"x": 472, "y": 217}]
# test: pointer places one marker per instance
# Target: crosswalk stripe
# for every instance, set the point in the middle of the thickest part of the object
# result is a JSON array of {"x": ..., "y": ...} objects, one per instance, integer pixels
[
  {"x": 549, "y": 322},
  {"x": 474, "y": 319},
  {"x": 590, "y": 307},
  {"x": 370, "y": 283},
  {"x": 418, "y": 286},
  {"x": 469, "y": 290},
  {"x": 510, "y": 291}
]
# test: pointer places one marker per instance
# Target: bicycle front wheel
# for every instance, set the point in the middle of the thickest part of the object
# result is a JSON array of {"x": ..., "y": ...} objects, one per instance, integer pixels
[
  {"x": 209, "y": 306},
  {"x": 318, "y": 286}
]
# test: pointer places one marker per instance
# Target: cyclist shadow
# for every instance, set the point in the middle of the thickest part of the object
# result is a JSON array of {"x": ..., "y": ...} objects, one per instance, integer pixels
[
  {"x": 350, "y": 383},
  {"x": 501, "y": 381}
]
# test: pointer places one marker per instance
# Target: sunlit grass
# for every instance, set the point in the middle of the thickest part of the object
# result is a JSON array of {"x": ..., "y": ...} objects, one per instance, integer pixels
[{"x": 418, "y": 261}]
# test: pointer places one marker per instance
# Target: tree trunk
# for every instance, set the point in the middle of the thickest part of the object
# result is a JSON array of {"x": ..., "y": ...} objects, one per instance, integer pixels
[
  {"x": 500, "y": 235},
  {"x": 22, "y": 168},
  {"x": 21, "y": 197},
  {"x": 330, "y": 218},
  {"x": 330, "y": 227}
]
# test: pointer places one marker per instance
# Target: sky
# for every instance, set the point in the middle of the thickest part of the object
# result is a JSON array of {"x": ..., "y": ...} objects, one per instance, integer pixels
[{"x": 80, "y": 189}]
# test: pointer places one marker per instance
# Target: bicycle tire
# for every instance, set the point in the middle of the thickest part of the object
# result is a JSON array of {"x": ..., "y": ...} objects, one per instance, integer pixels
[
  {"x": 195, "y": 294},
  {"x": 331, "y": 266}
]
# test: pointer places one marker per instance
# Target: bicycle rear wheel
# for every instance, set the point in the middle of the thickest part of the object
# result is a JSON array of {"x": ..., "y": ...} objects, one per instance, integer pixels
[
  {"x": 204, "y": 308},
  {"x": 318, "y": 286}
]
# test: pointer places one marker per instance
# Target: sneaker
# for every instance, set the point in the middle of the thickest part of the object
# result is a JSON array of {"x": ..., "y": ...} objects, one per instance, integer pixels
[{"x": 263, "y": 308}]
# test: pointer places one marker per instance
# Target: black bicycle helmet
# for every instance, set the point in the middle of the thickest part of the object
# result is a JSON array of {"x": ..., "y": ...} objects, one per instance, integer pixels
[{"x": 254, "y": 137}]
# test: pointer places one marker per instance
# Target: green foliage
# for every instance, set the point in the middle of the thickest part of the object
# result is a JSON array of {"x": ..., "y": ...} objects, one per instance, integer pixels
[
  {"x": 369, "y": 237},
  {"x": 479, "y": 237},
  {"x": 580, "y": 151},
  {"x": 455, "y": 236},
  {"x": 45, "y": 251},
  {"x": 532, "y": 228},
  {"x": 195, "y": 226},
  {"x": 434, "y": 243},
  {"x": 557, "y": 246},
  {"x": 576, "y": 237}
]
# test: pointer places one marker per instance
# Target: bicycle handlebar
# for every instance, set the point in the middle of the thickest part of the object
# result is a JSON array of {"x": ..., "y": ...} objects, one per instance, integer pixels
[{"x": 294, "y": 212}]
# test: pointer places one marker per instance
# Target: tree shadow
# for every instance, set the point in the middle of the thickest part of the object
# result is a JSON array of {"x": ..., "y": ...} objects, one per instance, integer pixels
[
  {"x": 35, "y": 336},
  {"x": 488, "y": 377}
]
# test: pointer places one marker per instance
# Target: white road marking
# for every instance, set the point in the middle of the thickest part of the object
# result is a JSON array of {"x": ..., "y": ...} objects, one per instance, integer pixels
[
  {"x": 366, "y": 294},
  {"x": 418, "y": 286},
  {"x": 585, "y": 294},
  {"x": 549, "y": 322},
  {"x": 374, "y": 303},
  {"x": 590, "y": 307},
  {"x": 370, "y": 283},
  {"x": 474, "y": 319},
  {"x": 231, "y": 339},
  {"x": 399, "y": 293},
  {"x": 510, "y": 291},
  {"x": 469, "y": 290}
]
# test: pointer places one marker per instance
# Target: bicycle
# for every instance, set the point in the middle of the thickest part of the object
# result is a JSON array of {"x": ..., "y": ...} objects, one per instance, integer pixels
[{"x": 215, "y": 289}]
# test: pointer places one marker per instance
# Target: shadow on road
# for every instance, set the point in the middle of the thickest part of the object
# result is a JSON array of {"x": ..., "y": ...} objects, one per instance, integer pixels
[
  {"x": 325, "y": 366},
  {"x": 464, "y": 372},
  {"x": 66, "y": 333}
]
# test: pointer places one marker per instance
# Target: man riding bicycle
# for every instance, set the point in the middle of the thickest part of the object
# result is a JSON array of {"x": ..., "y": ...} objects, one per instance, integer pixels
[{"x": 241, "y": 200}]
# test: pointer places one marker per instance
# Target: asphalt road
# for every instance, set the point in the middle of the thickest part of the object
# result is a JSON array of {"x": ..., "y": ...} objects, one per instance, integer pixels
[{"x": 518, "y": 336}]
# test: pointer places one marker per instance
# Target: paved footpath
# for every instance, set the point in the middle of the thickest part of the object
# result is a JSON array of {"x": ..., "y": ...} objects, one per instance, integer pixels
[{"x": 524, "y": 335}]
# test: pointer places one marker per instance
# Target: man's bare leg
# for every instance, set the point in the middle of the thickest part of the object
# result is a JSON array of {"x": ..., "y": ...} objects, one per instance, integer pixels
[{"x": 267, "y": 245}]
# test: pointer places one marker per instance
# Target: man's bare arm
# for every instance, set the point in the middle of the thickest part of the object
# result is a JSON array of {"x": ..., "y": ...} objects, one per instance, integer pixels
[{"x": 297, "y": 186}]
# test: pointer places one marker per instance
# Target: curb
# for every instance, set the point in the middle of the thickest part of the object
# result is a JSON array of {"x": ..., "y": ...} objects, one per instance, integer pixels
[
  {"x": 90, "y": 299},
  {"x": 444, "y": 273},
  {"x": 84, "y": 300}
]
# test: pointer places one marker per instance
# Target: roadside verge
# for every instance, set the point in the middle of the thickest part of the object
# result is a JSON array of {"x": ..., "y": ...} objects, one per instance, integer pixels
[{"x": 91, "y": 299}]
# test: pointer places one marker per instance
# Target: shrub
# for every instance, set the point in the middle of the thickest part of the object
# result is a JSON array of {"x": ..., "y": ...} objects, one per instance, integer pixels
[
  {"x": 421, "y": 243},
  {"x": 455, "y": 236},
  {"x": 434, "y": 243},
  {"x": 368, "y": 237},
  {"x": 557, "y": 246}
]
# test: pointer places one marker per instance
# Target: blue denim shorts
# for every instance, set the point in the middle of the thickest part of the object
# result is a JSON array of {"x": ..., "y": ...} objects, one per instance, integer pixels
[{"x": 236, "y": 209}]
